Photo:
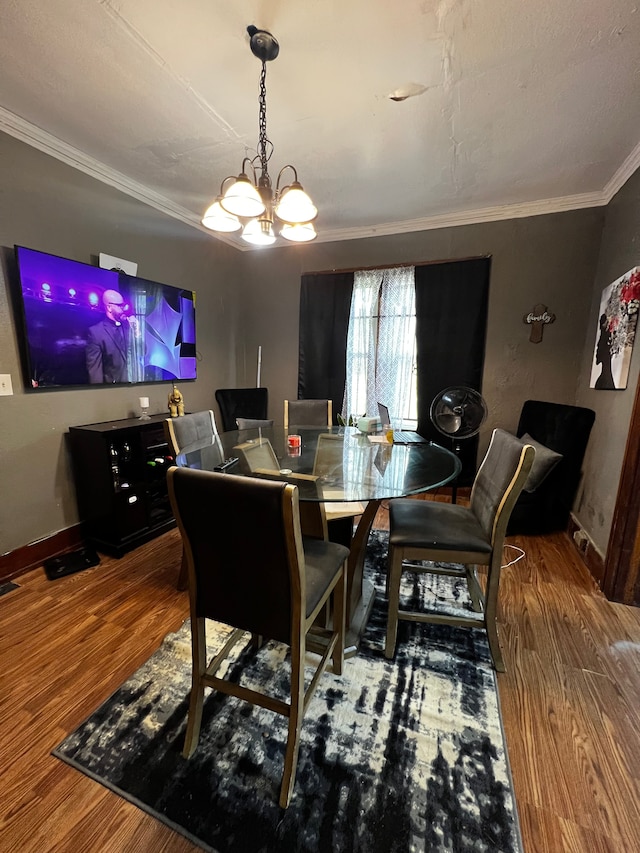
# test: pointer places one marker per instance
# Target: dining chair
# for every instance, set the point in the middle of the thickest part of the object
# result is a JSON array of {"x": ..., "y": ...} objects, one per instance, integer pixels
[
  {"x": 250, "y": 569},
  {"x": 318, "y": 413},
  {"x": 259, "y": 457},
  {"x": 255, "y": 454},
  {"x": 253, "y": 423},
  {"x": 307, "y": 413},
  {"x": 189, "y": 430},
  {"x": 329, "y": 465},
  {"x": 455, "y": 539},
  {"x": 241, "y": 403}
]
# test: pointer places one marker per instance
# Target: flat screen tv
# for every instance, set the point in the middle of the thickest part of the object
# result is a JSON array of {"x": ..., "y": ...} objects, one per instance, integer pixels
[{"x": 85, "y": 325}]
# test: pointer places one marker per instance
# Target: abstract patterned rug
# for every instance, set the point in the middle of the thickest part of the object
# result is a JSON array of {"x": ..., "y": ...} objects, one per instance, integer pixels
[{"x": 396, "y": 756}]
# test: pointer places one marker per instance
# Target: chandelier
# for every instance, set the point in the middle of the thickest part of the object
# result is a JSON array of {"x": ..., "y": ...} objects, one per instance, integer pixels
[{"x": 249, "y": 201}]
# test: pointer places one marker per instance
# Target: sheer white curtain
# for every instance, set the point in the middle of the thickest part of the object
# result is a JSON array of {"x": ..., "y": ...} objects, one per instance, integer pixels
[{"x": 381, "y": 344}]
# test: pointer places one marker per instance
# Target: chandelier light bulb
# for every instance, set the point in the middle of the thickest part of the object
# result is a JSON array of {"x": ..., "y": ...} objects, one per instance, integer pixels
[
  {"x": 242, "y": 198},
  {"x": 299, "y": 233},
  {"x": 295, "y": 206},
  {"x": 216, "y": 218},
  {"x": 259, "y": 232}
]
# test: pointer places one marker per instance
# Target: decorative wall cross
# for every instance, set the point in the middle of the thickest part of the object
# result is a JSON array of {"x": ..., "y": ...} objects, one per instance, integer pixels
[{"x": 538, "y": 319}]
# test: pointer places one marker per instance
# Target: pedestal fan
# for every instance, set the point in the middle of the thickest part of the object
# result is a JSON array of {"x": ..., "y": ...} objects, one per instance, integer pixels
[{"x": 458, "y": 412}]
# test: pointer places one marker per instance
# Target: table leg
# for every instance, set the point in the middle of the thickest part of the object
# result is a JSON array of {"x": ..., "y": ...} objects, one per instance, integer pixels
[{"x": 360, "y": 593}]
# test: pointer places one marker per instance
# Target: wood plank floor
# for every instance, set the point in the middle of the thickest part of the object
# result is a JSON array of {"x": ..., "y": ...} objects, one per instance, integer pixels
[{"x": 570, "y": 700}]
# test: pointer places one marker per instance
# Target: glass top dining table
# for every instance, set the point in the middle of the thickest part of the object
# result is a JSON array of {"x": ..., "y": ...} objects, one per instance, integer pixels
[
  {"x": 336, "y": 464},
  {"x": 345, "y": 464}
]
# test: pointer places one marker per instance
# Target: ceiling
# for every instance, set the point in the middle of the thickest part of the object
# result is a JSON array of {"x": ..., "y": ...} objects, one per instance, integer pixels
[{"x": 524, "y": 107}]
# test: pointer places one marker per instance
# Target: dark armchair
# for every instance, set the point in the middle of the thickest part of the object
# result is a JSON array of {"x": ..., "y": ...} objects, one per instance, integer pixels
[
  {"x": 564, "y": 430},
  {"x": 241, "y": 403}
]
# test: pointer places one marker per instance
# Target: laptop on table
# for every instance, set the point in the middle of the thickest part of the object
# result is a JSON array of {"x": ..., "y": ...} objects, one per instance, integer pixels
[{"x": 400, "y": 436}]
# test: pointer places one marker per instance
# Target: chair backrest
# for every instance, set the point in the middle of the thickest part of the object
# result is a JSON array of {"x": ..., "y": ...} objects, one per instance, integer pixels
[
  {"x": 499, "y": 481},
  {"x": 307, "y": 413},
  {"x": 253, "y": 423},
  {"x": 189, "y": 429},
  {"x": 329, "y": 457},
  {"x": 256, "y": 454},
  {"x": 243, "y": 547},
  {"x": 241, "y": 403},
  {"x": 313, "y": 517}
]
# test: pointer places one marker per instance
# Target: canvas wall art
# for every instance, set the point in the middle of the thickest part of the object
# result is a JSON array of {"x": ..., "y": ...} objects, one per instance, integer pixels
[{"x": 616, "y": 331}]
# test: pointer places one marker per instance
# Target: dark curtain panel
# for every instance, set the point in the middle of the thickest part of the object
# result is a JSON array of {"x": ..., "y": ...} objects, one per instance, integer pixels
[
  {"x": 325, "y": 305},
  {"x": 451, "y": 321}
]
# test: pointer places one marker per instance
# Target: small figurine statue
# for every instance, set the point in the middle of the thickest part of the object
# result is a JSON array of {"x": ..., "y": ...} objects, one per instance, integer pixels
[{"x": 176, "y": 403}]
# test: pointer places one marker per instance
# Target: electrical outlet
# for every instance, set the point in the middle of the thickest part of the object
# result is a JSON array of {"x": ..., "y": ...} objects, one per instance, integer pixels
[
  {"x": 6, "y": 388},
  {"x": 581, "y": 539}
]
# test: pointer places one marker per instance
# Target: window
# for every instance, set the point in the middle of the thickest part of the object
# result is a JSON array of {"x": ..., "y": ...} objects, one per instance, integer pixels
[{"x": 381, "y": 345}]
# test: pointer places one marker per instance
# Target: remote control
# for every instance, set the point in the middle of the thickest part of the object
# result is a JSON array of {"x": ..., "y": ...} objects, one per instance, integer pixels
[{"x": 226, "y": 463}]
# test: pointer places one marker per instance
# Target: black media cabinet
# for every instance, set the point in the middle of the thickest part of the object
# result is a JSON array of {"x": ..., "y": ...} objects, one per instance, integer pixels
[{"x": 120, "y": 472}]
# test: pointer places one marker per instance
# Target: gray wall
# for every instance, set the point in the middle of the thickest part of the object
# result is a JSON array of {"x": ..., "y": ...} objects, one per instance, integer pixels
[
  {"x": 48, "y": 206},
  {"x": 620, "y": 251},
  {"x": 544, "y": 259}
]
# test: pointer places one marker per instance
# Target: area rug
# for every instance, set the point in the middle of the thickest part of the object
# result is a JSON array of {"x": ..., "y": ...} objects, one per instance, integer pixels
[{"x": 396, "y": 756}]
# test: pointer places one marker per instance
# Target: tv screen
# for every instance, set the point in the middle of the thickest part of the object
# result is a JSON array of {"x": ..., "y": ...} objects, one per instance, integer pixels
[{"x": 85, "y": 325}]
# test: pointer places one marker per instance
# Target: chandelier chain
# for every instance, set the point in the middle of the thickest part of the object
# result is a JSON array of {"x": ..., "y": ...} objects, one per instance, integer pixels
[{"x": 262, "y": 138}]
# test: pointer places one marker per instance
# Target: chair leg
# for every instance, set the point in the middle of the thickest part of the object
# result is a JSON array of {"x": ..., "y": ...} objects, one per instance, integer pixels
[
  {"x": 394, "y": 574},
  {"x": 183, "y": 577},
  {"x": 257, "y": 642},
  {"x": 475, "y": 592},
  {"x": 339, "y": 616},
  {"x": 494, "y": 645},
  {"x": 296, "y": 712},
  {"x": 491, "y": 616},
  {"x": 199, "y": 666}
]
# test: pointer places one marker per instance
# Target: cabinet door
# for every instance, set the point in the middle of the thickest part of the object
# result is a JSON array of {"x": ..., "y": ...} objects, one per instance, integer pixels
[{"x": 129, "y": 516}]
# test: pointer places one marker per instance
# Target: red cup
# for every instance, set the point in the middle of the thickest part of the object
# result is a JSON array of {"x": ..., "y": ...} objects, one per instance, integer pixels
[{"x": 294, "y": 441}]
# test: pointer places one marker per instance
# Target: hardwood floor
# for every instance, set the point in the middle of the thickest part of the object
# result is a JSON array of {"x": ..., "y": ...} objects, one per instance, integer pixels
[{"x": 569, "y": 698}]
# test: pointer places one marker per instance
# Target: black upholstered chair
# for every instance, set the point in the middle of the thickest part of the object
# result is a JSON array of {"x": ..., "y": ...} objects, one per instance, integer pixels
[
  {"x": 545, "y": 503},
  {"x": 307, "y": 413},
  {"x": 251, "y": 569},
  {"x": 241, "y": 403},
  {"x": 455, "y": 534},
  {"x": 198, "y": 428}
]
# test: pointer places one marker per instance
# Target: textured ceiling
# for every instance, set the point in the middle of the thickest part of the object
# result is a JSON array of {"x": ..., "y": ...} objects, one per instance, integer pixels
[{"x": 524, "y": 107}]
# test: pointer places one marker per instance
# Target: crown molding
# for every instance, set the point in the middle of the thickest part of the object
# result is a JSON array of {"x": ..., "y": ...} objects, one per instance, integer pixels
[
  {"x": 37, "y": 138},
  {"x": 470, "y": 217},
  {"x": 623, "y": 174},
  {"x": 47, "y": 143}
]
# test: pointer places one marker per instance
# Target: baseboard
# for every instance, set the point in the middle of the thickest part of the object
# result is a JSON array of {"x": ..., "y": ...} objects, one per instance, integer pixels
[
  {"x": 586, "y": 549},
  {"x": 34, "y": 554}
]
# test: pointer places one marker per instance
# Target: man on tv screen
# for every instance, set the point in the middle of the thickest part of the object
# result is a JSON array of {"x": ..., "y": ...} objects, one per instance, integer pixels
[{"x": 109, "y": 341}]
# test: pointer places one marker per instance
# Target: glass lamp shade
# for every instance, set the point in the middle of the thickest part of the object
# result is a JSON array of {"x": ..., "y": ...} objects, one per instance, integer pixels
[
  {"x": 217, "y": 219},
  {"x": 299, "y": 233},
  {"x": 259, "y": 232},
  {"x": 295, "y": 206},
  {"x": 242, "y": 198}
]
